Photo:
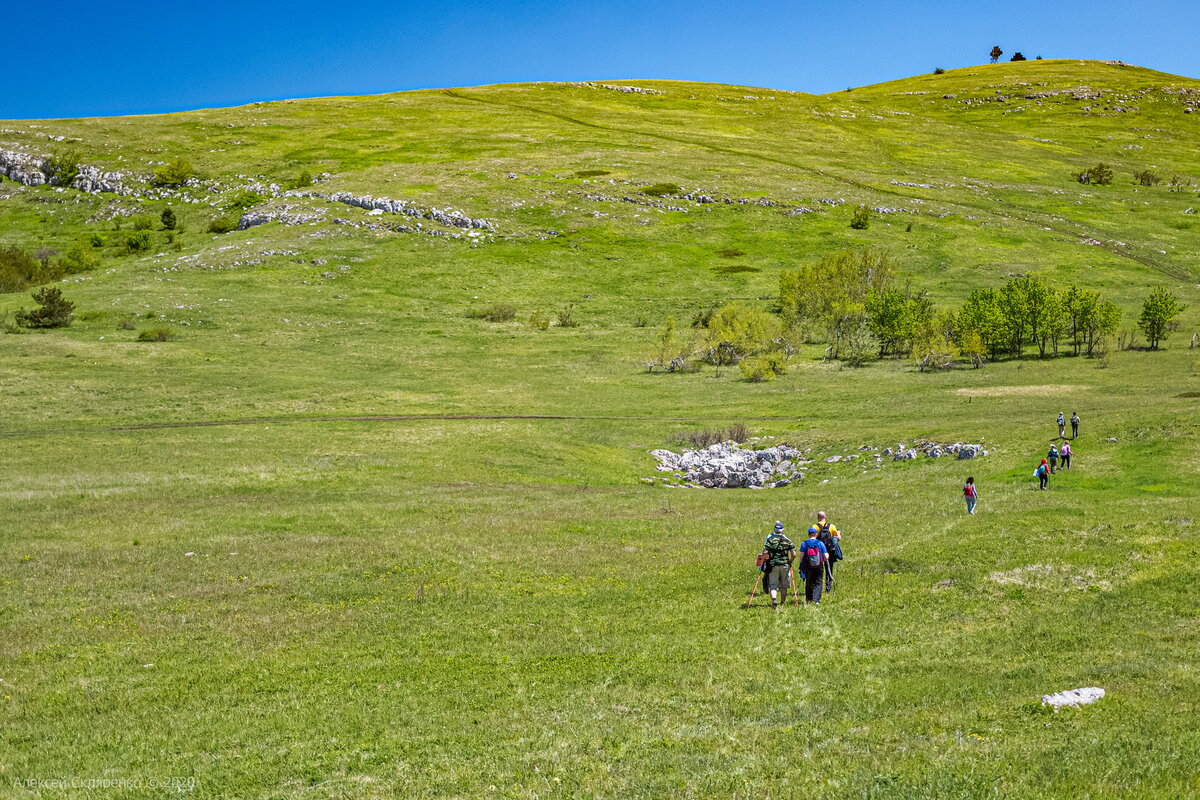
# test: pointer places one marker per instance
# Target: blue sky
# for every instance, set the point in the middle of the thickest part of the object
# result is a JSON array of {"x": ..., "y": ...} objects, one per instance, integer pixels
[{"x": 87, "y": 59}]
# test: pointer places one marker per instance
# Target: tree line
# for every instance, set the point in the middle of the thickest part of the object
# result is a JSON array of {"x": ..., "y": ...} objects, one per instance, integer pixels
[{"x": 856, "y": 303}]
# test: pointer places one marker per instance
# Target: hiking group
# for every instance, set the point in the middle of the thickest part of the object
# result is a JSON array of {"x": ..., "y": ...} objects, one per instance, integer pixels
[
  {"x": 1057, "y": 453},
  {"x": 818, "y": 553}
]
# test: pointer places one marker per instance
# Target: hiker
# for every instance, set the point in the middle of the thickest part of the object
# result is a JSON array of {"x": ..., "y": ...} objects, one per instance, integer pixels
[
  {"x": 1052, "y": 454},
  {"x": 780, "y": 555},
  {"x": 971, "y": 494},
  {"x": 830, "y": 536},
  {"x": 1074, "y": 425},
  {"x": 1065, "y": 453},
  {"x": 1062, "y": 425},
  {"x": 1042, "y": 473},
  {"x": 813, "y": 556}
]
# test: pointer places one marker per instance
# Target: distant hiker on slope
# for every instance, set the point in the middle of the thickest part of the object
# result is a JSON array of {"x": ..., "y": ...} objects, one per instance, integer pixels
[
  {"x": 1042, "y": 473},
  {"x": 1065, "y": 453},
  {"x": 1062, "y": 425},
  {"x": 831, "y": 537},
  {"x": 970, "y": 493},
  {"x": 1074, "y": 425},
  {"x": 1052, "y": 455},
  {"x": 780, "y": 555},
  {"x": 813, "y": 556}
]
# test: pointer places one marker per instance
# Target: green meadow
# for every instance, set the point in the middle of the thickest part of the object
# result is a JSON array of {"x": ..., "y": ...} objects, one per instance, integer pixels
[{"x": 343, "y": 538}]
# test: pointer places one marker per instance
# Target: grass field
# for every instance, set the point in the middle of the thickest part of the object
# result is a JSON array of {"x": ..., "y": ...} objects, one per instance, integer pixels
[{"x": 317, "y": 547}]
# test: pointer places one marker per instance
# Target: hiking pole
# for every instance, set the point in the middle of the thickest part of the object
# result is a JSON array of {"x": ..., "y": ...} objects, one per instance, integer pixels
[
  {"x": 792, "y": 575},
  {"x": 753, "y": 590}
]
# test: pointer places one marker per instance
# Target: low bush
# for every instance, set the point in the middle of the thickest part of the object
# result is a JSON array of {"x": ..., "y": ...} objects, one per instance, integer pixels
[
  {"x": 80, "y": 258},
  {"x": 299, "y": 180},
  {"x": 139, "y": 241},
  {"x": 143, "y": 223},
  {"x": 18, "y": 269},
  {"x": 126, "y": 325},
  {"x": 1146, "y": 178},
  {"x": 496, "y": 312},
  {"x": 861, "y": 219},
  {"x": 661, "y": 189},
  {"x": 243, "y": 200},
  {"x": 701, "y": 439},
  {"x": 53, "y": 311},
  {"x": 591, "y": 173},
  {"x": 566, "y": 318},
  {"x": 62, "y": 167},
  {"x": 1100, "y": 175},
  {"x": 175, "y": 172},
  {"x": 538, "y": 321},
  {"x": 939, "y": 71},
  {"x": 157, "y": 335},
  {"x": 222, "y": 225},
  {"x": 764, "y": 367}
]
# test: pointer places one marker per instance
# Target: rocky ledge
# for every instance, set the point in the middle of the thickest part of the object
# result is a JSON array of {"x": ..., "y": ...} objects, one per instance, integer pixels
[{"x": 727, "y": 465}]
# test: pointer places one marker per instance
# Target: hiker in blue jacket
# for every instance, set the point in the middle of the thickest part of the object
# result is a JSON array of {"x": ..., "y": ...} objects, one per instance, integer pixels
[{"x": 813, "y": 555}]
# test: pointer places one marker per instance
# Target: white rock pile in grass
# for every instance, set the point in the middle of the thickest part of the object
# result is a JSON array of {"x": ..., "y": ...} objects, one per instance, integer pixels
[
  {"x": 903, "y": 452},
  {"x": 1073, "y": 697},
  {"x": 727, "y": 465}
]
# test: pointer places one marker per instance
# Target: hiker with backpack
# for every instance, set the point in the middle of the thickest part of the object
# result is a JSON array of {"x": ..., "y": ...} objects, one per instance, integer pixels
[
  {"x": 1074, "y": 425},
  {"x": 1065, "y": 453},
  {"x": 831, "y": 537},
  {"x": 780, "y": 552},
  {"x": 813, "y": 556},
  {"x": 1062, "y": 425},
  {"x": 1052, "y": 455},
  {"x": 971, "y": 494},
  {"x": 1042, "y": 473}
]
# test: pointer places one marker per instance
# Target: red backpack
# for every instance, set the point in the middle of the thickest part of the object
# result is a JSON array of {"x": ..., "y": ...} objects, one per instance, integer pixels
[
  {"x": 763, "y": 557},
  {"x": 969, "y": 490}
]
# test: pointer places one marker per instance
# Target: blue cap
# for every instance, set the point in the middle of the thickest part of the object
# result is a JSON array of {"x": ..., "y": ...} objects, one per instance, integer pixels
[
  {"x": 813, "y": 529},
  {"x": 778, "y": 526}
]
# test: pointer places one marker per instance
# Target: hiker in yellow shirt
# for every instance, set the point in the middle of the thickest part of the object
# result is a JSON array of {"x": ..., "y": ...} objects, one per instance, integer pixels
[{"x": 831, "y": 537}]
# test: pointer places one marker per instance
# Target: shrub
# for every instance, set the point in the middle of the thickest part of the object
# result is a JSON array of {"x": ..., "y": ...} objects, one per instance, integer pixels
[
  {"x": 80, "y": 258},
  {"x": 243, "y": 200},
  {"x": 138, "y": 241},
  {"x": 1101, "y": 175},
  {"x": 939, "y": 71},
  {"x": 861, "y": 219},
  {"x": 497, "y": 312},
  {"x": 62, "y": 167},
  {"x": 1018, "y": 57},
  {"x": 1147, "y": 178},
  {"x": 538, "y": 321},
  {"x": 168, "y": 219},
  {"x": 8, "y": 325},
  {"x": 126, "y": 325},
  {"x": 97, "y": 240},
  {"x": 299, "y": 181},
  {"x": 701, "y": 439},
  {"x": 566, "y": 318},
  {"x": 591, "y": 173},
  {"x": 44, "y": 254},
  {"x": 143, "y": 223},
  {"x": 17, "y": 269},
  {"x": 175, "y": 172},
  {"x": 661, "y": 189},
  {"x": 157, "y": 335},
  {"x": 222, "y": 225},
  {"x": 54, "y": 310},
  {"x": 764, "y": 367}
]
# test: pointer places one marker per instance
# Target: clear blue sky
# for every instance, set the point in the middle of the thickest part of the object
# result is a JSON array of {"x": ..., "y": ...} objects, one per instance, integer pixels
[{"x": 72, "y": 58}]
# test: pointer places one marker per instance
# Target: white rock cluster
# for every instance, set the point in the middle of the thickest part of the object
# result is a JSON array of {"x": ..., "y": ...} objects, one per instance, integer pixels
[
  {"x": 727, "y": 465},
  {"x": 23, "y": 168},
  {"x": 93, "y": 179},
  {"x": 1073, "y": 697},
  {"x": 903, "y": 452},
  {"x": 446, "y": 216},
  {"x": 286, "y": 214}
]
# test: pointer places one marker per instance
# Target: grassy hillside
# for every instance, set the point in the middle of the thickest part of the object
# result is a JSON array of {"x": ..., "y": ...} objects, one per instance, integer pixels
[{"x": 342, "y": 538}]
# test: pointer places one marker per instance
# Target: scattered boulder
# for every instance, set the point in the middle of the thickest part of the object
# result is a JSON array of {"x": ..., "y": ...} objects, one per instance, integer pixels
[{"x": 1073, "y": 697}]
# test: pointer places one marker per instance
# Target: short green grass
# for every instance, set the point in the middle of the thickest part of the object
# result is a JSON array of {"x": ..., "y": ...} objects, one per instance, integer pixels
[{"x": 216, "y": 568}]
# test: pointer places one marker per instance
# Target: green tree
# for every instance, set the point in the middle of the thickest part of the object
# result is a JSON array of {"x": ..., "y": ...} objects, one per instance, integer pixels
[
  {"x": 831, "y": 294},
  {"x": 175, "y": 172},
  {"x": 738, "y": 330},
  {"x": 996, "y": 53},
  {"x": 983, "y": 317},
  {"x": 1101, "y": 175},
  {"x": 1159, "y": 314},
  {"x": 1050, "y": 323},
  {"x": 894, "y": 316},
  {"x": 18, "y": 269},
  {"x": 168, "y": 219},
  {"x": 1078, "y": 307},
  {"x": 1103, "y": 323},
  {"x": 54, "y": 310}
]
